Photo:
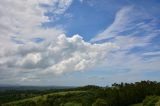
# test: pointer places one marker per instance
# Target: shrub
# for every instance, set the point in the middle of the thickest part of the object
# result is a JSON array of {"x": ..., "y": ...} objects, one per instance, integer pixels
[{"x": 150, "y": 100}]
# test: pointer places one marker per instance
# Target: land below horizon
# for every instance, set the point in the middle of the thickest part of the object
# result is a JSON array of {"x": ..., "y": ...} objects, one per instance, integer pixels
[{"x": 144, "y": 93}]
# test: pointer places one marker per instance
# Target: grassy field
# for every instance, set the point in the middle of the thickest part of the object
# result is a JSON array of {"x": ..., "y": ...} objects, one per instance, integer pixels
[
  {"x": 43, "y": 97},
  {"x": 150, "y": 101}
]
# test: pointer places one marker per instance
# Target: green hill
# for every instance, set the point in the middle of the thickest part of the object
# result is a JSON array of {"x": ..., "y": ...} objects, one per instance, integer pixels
[
  {"x": 43, "y": 100},
  {"x": 149, "y": 101},
  {"x": 123, "y": 94}
]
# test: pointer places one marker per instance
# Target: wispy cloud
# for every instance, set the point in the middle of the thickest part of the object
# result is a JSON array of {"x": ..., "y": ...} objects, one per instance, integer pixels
[
  {"x": 128, "y": 21},
  {"x": 119, "y": 25},
  {"x": 132, "y": 29},
  {"x": 155, "y": 53}
]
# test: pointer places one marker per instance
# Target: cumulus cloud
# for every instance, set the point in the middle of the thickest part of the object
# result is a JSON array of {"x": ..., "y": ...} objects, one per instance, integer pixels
[
  {"x": 63, "y": 54},
  {"x": 22, "y": 59},
  {"x": 24, "y": 18}
]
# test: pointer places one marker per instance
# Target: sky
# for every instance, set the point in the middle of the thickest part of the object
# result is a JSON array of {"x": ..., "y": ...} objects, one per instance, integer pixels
[{"x": 79, "y": 42}]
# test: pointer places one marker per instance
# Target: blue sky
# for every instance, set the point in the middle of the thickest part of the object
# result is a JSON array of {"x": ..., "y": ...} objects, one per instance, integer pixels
[
  {"x": 79, "y": 42},
  {"x": 89, "y": 17}
]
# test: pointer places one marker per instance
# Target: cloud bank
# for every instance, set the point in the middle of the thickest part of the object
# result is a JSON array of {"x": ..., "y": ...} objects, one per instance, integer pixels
[
  {"x": 21, "y": 58},
  {"x": 29, "y": 51},
  {"x": 62, "y": 55}
]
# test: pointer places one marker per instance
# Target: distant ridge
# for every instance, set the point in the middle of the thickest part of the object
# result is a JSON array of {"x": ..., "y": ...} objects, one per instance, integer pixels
[
  {"x": 31, "y": 87},
  {"x": 8, "y": 85}
]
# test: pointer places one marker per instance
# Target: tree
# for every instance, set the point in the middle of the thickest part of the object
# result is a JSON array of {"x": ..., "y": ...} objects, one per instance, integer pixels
[{"x": 100, "y": 102}]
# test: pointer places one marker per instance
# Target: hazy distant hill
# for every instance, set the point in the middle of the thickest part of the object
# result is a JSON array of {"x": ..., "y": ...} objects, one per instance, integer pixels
[{"x": 20, "y": 87}]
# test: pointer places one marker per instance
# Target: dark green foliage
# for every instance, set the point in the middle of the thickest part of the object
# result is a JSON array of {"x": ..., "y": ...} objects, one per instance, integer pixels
[
  {"x": 13, "y": 94},
  {"x": 123, "y": 94},
  {"x": 150, "y": 100},
  {"x": 83, "y": 98},
  {"x": 100, "y": 102}
]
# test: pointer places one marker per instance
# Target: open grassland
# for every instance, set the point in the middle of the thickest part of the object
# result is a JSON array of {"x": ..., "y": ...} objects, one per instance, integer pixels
[{"x": 38, "y": 99}]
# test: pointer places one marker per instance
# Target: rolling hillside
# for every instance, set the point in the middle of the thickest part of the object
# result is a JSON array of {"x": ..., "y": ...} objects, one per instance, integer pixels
[
  {"x": 147, "y": 93},
  {"x": 149, "y": 101},
  {"x": 41, "y": 100}
]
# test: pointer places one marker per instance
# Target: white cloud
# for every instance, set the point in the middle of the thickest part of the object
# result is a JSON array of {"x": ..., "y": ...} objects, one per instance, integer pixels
[
  {"x": 62, "y": 6},
  {"x": 124, "y": 21},
  {"x": 130, "y": 30},
  {"x": 119, "y": 24},
  {"x": 23, "y": 18},
  {"x": 81, "y": 1},
  {"x": 152, "y": 53},
  {"x": 133, "y": 63},
  {"x": 129, "y": 42},
  {"x": 59, "y": 54},
  {"x": 62, "y": 55}
]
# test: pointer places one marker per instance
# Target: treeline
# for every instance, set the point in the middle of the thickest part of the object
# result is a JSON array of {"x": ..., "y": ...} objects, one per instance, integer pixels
[{"x": 123, "y": 94}]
